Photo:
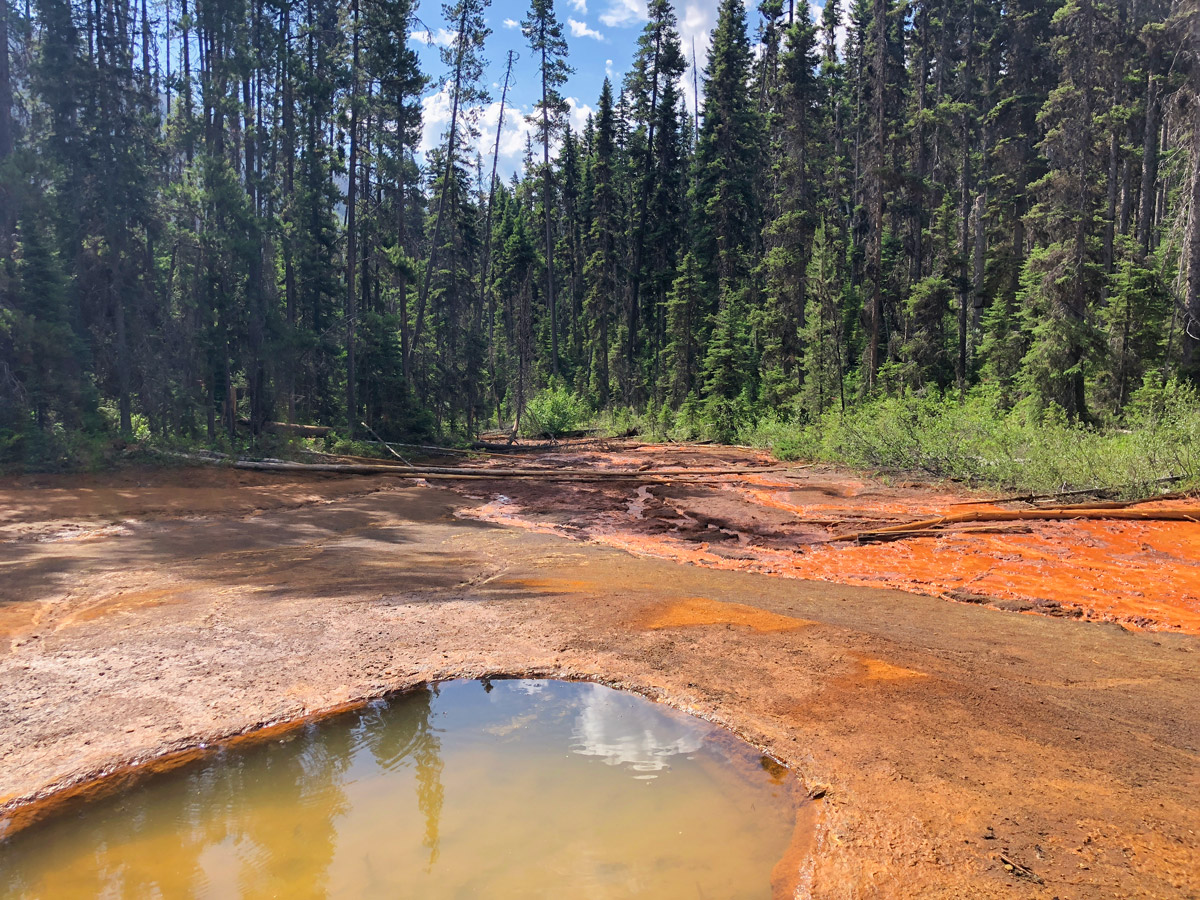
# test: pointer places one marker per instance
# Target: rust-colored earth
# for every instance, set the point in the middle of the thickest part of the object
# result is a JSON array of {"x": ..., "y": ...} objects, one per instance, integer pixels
[
  {"x": 1141, "y": 574},
  {"x": 954, "y": 749}
]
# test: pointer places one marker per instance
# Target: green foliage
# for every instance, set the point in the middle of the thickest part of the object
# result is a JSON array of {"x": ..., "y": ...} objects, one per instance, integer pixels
[
  {"x": 864, "y": 214},
  {"x": 553, "y": 412},
  {"x": 1018, "y": 450}
]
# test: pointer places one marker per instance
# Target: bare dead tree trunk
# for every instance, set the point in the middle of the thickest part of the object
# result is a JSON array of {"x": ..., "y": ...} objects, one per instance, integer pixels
[{"x": 352, "y": 235}]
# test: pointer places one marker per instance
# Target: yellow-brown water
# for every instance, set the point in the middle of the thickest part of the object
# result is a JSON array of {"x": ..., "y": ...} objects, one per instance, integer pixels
[{"x": 486, "y": 790}]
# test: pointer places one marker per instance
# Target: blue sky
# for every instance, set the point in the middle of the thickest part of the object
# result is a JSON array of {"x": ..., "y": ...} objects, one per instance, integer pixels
[{"x": 601, "y": 38}]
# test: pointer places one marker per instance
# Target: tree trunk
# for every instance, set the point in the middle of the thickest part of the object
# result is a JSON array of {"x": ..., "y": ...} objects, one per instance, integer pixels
[
  {"x": 547, "y": 187},
  {"x": 1149, "y": 153},
  {"x": 1191, "y": 315},
  {"x": 352, "y": 236},
  {"x": 965, "y": 293},
  {"x": 7, "y": 138},
  {"x": 485, "y": 269}
]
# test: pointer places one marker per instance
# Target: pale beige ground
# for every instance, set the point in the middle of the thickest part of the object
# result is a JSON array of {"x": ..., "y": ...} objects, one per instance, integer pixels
[{"x": 148, "y": 612}]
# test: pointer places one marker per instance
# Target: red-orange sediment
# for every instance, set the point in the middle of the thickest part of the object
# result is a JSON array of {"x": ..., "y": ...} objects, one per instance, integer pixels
[{"x": 1141, "y": 574}]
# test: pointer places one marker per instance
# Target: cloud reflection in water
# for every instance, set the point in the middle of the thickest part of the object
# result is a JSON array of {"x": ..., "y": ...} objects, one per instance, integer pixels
[{"x": 625, "y": 732}]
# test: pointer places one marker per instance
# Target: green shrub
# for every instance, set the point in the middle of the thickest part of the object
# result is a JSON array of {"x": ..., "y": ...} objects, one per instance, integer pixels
[
  {"x": 1022, "y": 449},
  {"x": 553, "y": 412}
]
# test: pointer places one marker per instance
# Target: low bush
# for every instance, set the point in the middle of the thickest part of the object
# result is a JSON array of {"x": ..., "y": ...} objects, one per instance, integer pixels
[
  {"x": 553, "y": 412},
  {"x": 978, "y": 441}
]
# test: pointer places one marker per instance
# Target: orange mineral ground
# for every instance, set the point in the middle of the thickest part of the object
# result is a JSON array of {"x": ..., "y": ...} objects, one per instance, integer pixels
[{"x": 1140, "y": 574}]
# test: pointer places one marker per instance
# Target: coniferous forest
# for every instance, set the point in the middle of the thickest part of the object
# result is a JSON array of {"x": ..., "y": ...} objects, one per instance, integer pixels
[{"x": 214, "y": 215}]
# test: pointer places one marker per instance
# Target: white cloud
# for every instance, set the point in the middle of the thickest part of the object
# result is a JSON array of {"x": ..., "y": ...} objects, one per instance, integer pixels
[
  {"x": 696, "y": 23},
  {"x": 580, "y": 6},
  {"x": 435, "y": 112},
  {"x": 436, "y": 118},
  {"x": 839, "y": 36},
  {"x": 608, "y": 68},
  {"x": 443, "y": 37},
  {"x": 511, "y": 23},
  {"x": 580, "y": 29},
  {"x": 512, "y": 135},
  {"x": 621, "y": 13},
  {"x": 579, "y": 113}
]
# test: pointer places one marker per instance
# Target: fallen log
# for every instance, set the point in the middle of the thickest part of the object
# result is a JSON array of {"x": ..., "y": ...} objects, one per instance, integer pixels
[
  {"x": 870, "y": 537},
  {"x": 1122, "y": 504},
  {"x": 477, "y": 472},
  {"x": 308, "y": 431},
  {"x": 432, "y": 448},
  {"x": 368, "y": 460},
  {"x": 1095, "y": 491},
  {"x": 511, "y": 448},
  {"x": 386, "y": 446},
  {"x": 906, "y": 529}
]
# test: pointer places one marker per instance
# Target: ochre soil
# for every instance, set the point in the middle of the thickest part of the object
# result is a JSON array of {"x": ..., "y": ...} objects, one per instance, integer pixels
[
  {"x": 146, "y": 613},
  {"x": 1141, "y": 574}
]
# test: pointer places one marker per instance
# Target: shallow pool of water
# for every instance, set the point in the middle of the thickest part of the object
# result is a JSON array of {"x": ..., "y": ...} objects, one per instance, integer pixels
[{"x": 506, "y": 789}]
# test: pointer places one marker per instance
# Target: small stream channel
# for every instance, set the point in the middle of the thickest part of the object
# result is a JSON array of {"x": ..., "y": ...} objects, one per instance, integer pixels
[{"x": 502, "y": 789}]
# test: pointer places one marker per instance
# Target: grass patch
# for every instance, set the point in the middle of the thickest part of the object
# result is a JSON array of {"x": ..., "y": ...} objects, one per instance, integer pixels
[{"x": 1020, "y": 450}]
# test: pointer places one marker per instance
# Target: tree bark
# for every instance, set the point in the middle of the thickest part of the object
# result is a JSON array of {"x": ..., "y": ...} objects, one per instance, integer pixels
[
  {"x": 1191, "y": 312},
  {"x": 1149, "y": 152},
  {"x": 352, "y": 235}
]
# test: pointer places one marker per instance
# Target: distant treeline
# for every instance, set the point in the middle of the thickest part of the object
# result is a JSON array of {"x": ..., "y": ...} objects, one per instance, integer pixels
[{"x": 212, "y": 215}]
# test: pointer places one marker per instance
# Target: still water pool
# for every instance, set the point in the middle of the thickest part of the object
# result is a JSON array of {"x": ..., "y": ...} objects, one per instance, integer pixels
[{"x": 507, "y": 789}]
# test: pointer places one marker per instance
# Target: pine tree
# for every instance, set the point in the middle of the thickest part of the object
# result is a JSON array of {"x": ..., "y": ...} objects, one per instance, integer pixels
[
  {"x": 600, "y": 272},
  {"x": 727, "y": 158},
  {"x": 544, "y": 33},
  {"x": 685, "y": 305},
  {"x": 1063, "y": 279},
  {"x": 789, "y": 234},
  {"x": 659, "y": 160},
  {"x": 466, "y": 69},
  {"x": 823, "y": 360}
]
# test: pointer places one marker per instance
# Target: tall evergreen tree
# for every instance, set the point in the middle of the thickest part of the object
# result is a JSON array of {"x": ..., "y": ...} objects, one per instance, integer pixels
[{"x": 544, "y": 33}]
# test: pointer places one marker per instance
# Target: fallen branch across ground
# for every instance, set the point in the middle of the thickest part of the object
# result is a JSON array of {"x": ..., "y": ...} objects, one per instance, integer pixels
[
  {"x": 925, "y": 527},
  {"x": 481, "y": 473},
  {"x": 386, "y": 446},
  {"x": 1094, "y": 491},
  {"x": 870, "y": 536}
]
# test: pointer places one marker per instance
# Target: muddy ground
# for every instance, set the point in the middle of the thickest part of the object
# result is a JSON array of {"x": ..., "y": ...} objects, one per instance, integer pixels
[{"x": 950, "y": 743}]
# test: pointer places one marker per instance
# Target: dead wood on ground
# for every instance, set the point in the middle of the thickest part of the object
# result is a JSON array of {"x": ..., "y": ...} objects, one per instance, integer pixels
[{"x": 910, "y": 529}]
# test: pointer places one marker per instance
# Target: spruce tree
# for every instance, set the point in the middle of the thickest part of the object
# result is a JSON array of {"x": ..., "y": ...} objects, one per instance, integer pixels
[
  {"x": 544, "y": 33},
  {"x": 600, "y": 273}
]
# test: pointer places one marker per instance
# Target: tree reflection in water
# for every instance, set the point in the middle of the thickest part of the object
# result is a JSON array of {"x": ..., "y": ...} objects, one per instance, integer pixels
[{"x": 521, "y": 788}]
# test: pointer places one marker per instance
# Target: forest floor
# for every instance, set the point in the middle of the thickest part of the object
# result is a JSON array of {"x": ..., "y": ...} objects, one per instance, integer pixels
[{"x": 1018, "y": 720}]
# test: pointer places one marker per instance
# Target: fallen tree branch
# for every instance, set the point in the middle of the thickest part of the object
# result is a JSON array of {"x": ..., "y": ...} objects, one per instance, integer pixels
[
  {"x": 511, "y": 448},
  {"x": 479, "y": 473},
  {"x": 308, "y": 431},
  {"x": 874, "y": 537},
  {"x": 907, "y": 529},
  {"x": 386, "y": 445},
  {"x": 1097, "y": 491},
  {"x": 430, "y": 447}
]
